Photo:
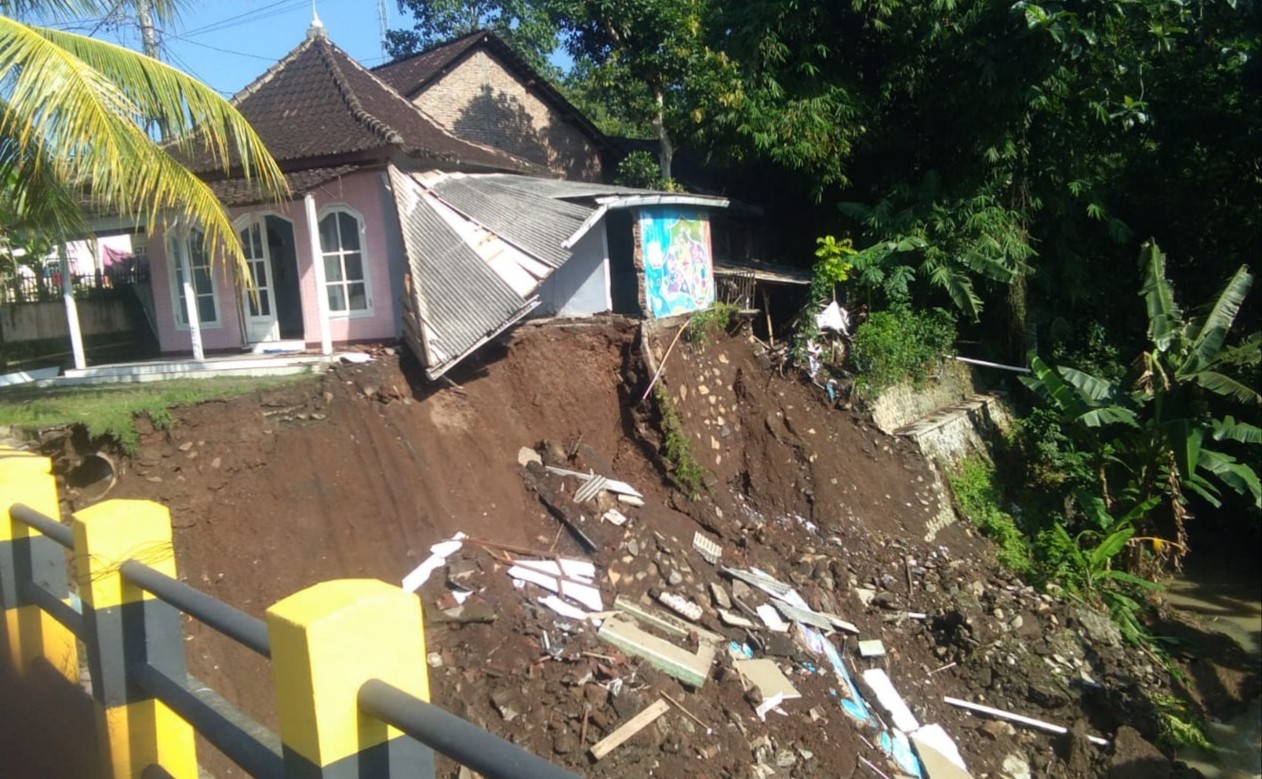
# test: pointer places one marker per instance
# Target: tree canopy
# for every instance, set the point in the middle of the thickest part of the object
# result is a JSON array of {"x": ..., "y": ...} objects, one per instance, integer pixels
[{"x": 74, "y": 119}]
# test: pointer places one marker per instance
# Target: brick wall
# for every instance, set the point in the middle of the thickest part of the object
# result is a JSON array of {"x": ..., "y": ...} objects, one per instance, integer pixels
[{"x": 481, "y": 101}]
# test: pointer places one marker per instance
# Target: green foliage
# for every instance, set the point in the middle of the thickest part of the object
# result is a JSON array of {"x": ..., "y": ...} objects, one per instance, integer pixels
[
  {"x": 901, "y": 346},
  {"x": 111, "y": 411},
  {"x": 1160, "y": 428},
  {"x": 526, "y": 25},
  {"x": 977, "y": 496},
  {"x": 689, "y": 474},
  {"x": 1178, "y": 726},
  {"x": 832, "y": 261},
  {"x": 704, "y": 325},
  {"x": 641, "y": 169}
]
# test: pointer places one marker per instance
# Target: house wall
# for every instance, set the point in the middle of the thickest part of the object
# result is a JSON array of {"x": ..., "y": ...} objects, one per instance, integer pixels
[
  {"x": 362, "y": 193},
  {"x": 482, "y": 101},
  {"x": 580, "y": 287}
]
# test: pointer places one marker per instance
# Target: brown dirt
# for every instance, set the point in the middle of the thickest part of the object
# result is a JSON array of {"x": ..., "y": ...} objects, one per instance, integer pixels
[{"x": 356, "y": 473}]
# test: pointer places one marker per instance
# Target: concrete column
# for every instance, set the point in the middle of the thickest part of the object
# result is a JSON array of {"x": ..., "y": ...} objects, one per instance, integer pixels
[
  {"x": 72, "y": 310},
  {"x": 317, "y": 267},
  {"x": 190, "y": 298}
]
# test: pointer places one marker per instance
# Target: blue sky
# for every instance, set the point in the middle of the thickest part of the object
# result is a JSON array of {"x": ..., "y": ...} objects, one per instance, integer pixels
[{"x": 228, "y": 43}]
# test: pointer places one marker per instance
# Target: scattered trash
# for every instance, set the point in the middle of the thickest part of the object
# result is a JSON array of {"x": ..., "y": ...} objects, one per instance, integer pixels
[
  {"x": 767, "y": 677},
  {"x": 881, "y": 686},
  {"x": 355, "y": 358},
  {"x": 615, "y": 517},
  {"x": 834, "y": 318},
  {"x": 708, "y": 549},
  {"x": 507, "y": 703},
  {"x": 438, "y": 558},
  {"x": 680, "y": 605},
  {"x": 734, "y": 620},
  {"x": 1030, "y": 721},
  {"x": 740, "y": 651},
  {"x": 563, "y": 608},
  {"x": 631, "y": 500},
  {"x": 772, "y": 619},
  {"x": 770, "y": 703},
  {"x": 590, "y": 489},
  {"x": 871, "y": 648},
  {"x": 630, "y": 728},
  {"x": 526, "y": 455},
  {"x": 611, "y": 485},
  {"x": 939, "y": 756},
  {"x": 573, "y": 584}
]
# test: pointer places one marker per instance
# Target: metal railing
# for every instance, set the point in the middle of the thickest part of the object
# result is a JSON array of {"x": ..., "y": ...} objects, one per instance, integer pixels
[
  {"x": 105, "y": 285},
  {"x": 161, "y": 676}
]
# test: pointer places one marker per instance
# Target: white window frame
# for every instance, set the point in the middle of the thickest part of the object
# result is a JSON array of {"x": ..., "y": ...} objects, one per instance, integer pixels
[
  {"x": 370, "y": 310},
  {"x": 176, "y": 242}
]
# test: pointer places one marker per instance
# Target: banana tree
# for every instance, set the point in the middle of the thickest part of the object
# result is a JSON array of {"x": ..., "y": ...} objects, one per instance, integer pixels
[{"x": 1161, "y": 425}]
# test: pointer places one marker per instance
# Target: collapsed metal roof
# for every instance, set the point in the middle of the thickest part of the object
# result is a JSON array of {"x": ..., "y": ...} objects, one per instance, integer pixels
[{"x": 479, "y": 246}]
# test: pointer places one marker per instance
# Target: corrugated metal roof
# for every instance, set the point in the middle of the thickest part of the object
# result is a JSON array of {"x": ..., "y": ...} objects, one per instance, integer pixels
[
  {"x": 461, "y": 300},
  {"x": 561, "y": 190},
  {"x": 537, "y": 224}
]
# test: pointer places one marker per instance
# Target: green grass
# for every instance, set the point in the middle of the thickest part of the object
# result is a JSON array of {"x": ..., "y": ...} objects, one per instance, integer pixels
[
  {"x": 111, "y": 410},
  {"x": 677, "y": 448},
  {"x": 977, "y": 496}
]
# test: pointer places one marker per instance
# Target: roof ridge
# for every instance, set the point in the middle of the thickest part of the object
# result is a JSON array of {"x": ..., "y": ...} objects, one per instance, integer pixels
[
  {"x": 430, "y": 50},
  {"x": 421, "y": 112},
  {"x": 375, "y": 125}
]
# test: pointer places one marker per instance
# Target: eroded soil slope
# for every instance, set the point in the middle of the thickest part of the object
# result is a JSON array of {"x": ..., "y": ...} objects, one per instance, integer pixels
[{"x": 358, "y": 472}]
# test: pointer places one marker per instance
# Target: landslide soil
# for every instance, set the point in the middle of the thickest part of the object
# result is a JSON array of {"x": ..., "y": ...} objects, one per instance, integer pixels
[{"x": 358, "y": 471}]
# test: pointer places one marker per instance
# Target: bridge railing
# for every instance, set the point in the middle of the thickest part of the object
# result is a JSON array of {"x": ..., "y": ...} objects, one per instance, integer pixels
[{"x": 347, "y": 656}]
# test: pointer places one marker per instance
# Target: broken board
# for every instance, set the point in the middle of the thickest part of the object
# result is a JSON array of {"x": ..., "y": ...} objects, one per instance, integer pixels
[
  {"x": 767, "y": 677},
  {"x": 627, "y": 731}
]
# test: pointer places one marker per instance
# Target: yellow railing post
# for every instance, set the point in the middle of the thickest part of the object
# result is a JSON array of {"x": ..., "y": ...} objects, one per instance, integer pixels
[
  {"x": 327, "y": 640},
  {"x": 27, "y": 556},
  {"x": 125, "y": 626}
]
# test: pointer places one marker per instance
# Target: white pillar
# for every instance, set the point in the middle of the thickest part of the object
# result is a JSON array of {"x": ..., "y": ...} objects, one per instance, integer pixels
[
  {"x": 190, "y": 298},
  {"x": 317, "y": 267},
  {"x": 72, "y": 310}
]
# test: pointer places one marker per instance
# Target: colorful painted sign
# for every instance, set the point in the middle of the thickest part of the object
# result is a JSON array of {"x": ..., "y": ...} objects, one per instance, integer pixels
[{"x": 678, "y": 267}]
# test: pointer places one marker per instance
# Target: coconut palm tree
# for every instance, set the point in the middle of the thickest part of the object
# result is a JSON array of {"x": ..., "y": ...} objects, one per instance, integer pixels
[{"x": 74, "y": 114}]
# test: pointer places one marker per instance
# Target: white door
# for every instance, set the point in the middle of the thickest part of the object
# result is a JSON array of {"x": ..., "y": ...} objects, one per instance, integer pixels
[{"x": 259, "y": 306}]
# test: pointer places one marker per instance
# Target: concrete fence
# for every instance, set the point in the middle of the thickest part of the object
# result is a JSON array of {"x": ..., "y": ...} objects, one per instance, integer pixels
[
  {"x": 347, "y": 656},
  {"x": 43, "y": 321}
]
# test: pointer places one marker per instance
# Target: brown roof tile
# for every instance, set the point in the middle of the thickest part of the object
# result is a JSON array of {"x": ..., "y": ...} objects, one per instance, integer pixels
[
  {"x": 318, "y": 103},
  {"x": 242, "y": 192}
]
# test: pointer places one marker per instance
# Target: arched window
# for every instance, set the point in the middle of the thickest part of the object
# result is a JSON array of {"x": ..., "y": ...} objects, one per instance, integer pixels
[
  {"x": 189, "y": 244},
  {"x": 346, "y": 279}
]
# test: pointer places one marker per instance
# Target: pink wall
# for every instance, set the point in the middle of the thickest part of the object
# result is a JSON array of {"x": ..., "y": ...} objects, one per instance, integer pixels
[{"x": 363, "y": 194}]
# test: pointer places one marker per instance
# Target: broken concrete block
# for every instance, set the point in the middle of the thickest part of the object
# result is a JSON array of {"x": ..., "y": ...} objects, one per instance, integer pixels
[
  {"x": 720, "y": 596},
  {"x": 734, "y": 620},
  {"x": 675, "y": 661},
  {"x": 871, "y": 648},
  {"x": 771, "y": 619},
  {"x": 680, "y": 605},
  {"x": 767, "y": 677}
]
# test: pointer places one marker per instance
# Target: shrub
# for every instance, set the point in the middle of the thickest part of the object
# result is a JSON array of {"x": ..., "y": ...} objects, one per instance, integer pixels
[
  {"x": 977, "y": 494},
  {"x": 705, "y": 324},
  {"x": 900, "y": 346}
]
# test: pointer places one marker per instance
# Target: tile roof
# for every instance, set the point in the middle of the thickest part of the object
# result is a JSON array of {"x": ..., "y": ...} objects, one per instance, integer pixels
[
  {"x": 318, "y": 103},
  {"x": 240, "y": 192},
  {"x": 409, "y": 76}
]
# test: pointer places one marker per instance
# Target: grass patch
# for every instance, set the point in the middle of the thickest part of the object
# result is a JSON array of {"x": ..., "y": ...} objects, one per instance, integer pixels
[
  {"x": 1177, "y": 725},
  {"x": 111, "y": 410},
  {"x": 977, "y": 496},
  {"x": 677, "y": 448},
  {"x": 704, "y": 325}
]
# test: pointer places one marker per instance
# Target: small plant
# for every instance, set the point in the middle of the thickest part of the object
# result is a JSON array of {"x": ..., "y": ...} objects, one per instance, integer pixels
[
  {"x": 642, "y": 169},
  {"x": 832, "y": 267},
  {"x": 900, "y": 345},
  {"x": 677, "y": 448},
  {"x": 705, "y": 324},
  {"x": 976, "y": 495},
  {"x": 1177, "y": 725}
]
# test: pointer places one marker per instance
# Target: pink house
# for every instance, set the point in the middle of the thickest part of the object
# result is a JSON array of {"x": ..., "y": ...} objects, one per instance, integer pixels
[
  {"x": 399, "y": 225},
  {"x": 327, "y": 266}
]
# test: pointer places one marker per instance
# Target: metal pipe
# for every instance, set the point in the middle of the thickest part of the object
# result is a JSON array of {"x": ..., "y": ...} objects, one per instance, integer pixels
[
  {"x": 63, "y": 613},
  {"x": 464, "y": 742},
  {"x": 233, "y": 623},
  {"x": 247, "y": 743},
  {"x": 43, "y": 523},
  {"x": 1000, "y": 366}
]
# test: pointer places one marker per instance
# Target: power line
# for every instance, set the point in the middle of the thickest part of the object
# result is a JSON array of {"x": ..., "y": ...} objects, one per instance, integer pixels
[
  {"x": 258, "y": 14},
  {"x": 184, "y": 39}
]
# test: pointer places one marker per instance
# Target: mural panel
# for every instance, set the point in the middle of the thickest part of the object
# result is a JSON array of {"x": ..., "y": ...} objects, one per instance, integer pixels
[{"x": 678, "y": 267}]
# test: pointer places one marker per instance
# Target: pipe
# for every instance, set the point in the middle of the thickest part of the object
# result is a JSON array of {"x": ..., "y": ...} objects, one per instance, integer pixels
[
  {"x": 1007, "y": 715},
  {"x": 986, "y": 364}
]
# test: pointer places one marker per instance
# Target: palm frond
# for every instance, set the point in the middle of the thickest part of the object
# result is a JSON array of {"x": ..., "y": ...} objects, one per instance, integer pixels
[{"x": 80, "y": 103}]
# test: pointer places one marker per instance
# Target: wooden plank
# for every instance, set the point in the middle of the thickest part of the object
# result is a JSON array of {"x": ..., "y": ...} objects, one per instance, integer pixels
[{"x": 634, "y": 725}]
